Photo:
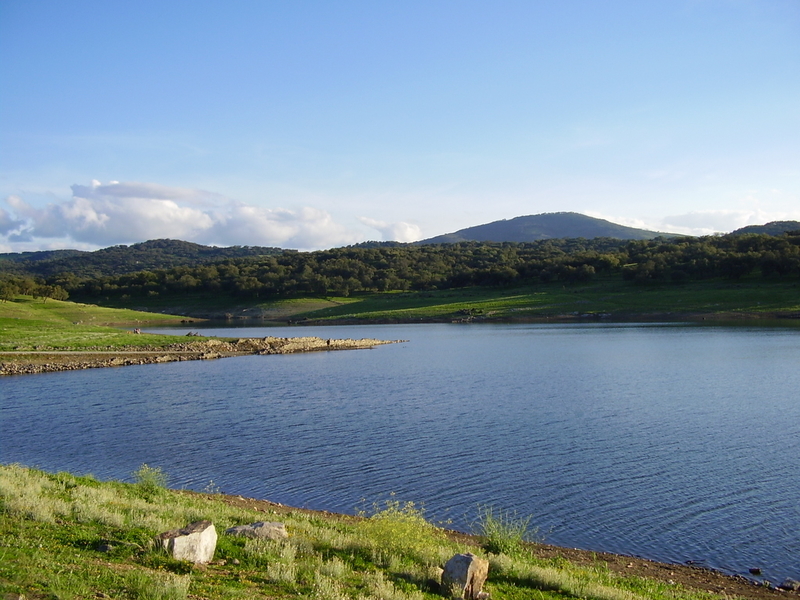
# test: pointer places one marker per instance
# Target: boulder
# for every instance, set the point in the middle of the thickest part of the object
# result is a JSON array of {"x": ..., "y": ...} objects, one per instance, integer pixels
[
  {"x": 196, "y": 542},
  {"x": 465, "y": 574},
  {"x": 790, "y": 584},
  {"x": 261, "y": 529}
]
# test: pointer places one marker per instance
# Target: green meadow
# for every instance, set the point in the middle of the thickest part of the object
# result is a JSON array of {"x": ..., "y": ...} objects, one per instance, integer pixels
[
  {"x": 608, "y": 298},
  {"x": 28, "y": 324},
  {"x": 67, "y": 537}
]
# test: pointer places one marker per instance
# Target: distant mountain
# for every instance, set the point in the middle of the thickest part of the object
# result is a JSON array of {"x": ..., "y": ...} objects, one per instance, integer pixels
[
  {"x": 773, "y": 228},
  {"x": 119, "y": 260},
  {"x": 542, "y": 227}
]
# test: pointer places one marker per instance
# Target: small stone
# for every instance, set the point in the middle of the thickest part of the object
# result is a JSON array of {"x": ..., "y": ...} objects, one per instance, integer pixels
[
  {"x": 195, "y": 543},
  {"x": 790, "y": 584},
  {"x": 235, "y": 561},
  {"x": 465, "y": 574},
  {"x": 755, "y": 571},
  {"x": 260, "y": 530}
]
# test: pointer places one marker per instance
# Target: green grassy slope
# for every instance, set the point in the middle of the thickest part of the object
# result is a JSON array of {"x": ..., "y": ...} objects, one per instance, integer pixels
[
  {"x": 69, "y": 537},
  {"x": 607, "y": 296},
  {"x": 610, "y": 298},
  {"x": 27, "y": 324}
]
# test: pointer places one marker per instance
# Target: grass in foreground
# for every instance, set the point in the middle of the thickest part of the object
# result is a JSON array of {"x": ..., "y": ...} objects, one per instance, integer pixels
[
  {"x": 27, "y": 324},
  {"x": 53, "y": 527}
]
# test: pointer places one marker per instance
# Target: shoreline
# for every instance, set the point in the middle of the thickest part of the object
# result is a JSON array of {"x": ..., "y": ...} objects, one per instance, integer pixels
[
  {"x": 27, "y": 362},
  {"x": 690, "y": 576}
]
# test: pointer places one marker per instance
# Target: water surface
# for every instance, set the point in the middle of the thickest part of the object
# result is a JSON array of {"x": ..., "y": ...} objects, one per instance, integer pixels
[{"x": 672, "y": 442}]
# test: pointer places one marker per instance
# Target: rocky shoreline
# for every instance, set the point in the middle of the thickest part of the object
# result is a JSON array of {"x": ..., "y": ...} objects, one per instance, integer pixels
[{"x": 49, "y": 361}]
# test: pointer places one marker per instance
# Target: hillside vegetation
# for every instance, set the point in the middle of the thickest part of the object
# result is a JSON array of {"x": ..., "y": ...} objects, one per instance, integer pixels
[
  {"x": 117, "y": 260},
  {"x": 773, "y": 228},
  {"x": 64, "y": 536},
  {"x": 687, "y": 271}
]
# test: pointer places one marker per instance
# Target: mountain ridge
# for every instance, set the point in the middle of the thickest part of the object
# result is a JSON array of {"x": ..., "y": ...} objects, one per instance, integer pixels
[
  {"x": 533, "y": 228},
  {"x": 771, "y": 228}
]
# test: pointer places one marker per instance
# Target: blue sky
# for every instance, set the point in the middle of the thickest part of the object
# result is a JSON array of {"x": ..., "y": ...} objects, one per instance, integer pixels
[{"x": 318, "y": 124}]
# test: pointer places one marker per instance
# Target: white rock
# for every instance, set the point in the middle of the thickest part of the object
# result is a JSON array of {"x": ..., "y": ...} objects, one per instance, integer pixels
[
  {"x": 261, "y": 529},
  {"x": 466, "y": 573},
  {"x": 196, "y": 542}
]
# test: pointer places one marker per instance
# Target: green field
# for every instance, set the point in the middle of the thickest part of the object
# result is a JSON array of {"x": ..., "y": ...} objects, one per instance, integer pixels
[
  {"x": 609, "y": 298},
  {"x": 27, "y": 324},
  {"x": 68, "y": 537}
]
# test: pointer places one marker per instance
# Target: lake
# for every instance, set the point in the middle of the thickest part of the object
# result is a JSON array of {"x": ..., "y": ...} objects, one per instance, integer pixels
[{"x": 674, "y": 442}]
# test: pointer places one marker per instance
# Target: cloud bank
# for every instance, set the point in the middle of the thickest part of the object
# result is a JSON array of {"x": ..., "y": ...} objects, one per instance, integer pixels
[
  {"x": 396, "y": 232},
  {"x": 100, "y": 215},
  {"x": 700, "y": 223}
]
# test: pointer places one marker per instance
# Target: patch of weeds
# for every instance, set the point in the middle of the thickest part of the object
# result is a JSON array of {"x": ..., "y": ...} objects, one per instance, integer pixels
[
  {"x": 401, "y": 529},
  {"x": 212, "y": 488},
  {"x": 159, "y": 560},
  {"x": 501, "y": 565},
  {"x": 161, "y": 586},
  {"x": 230, "y": 547},
  {"x": 134, "y": 536},
  {"x": 503, "y": 531},
  {"x": 150, "y": 481},
  {"x": 68, "y": 585},
  {"x": 380, "y": 587},
  {"x": 283, "y": 569},
  {"x": 335, "y": 568},
  {"x": 327, "y": 588}
]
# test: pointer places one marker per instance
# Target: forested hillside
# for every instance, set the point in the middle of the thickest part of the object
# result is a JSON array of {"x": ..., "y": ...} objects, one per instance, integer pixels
[
  {"x": 773, "y": 228},
  {"x": 118, "y": 260},
  {"x": 344, "y": 271}
]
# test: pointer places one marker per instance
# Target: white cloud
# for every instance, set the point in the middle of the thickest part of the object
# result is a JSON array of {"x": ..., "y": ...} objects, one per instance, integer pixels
[
  {"x": 8, "y": 223},
  {"x": 394, "y": 232},
  {"x": 709, "y": 222},
  {"x": 699, "y": 223},
  {"x": 124, "y": 213}
]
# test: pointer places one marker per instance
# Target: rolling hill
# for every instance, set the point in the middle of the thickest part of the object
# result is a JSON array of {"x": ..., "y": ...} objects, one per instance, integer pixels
[
  {"x": 117, "y": 260},
  {"x": 544, "y": 226},
  {"x": 772, "y": 228}
]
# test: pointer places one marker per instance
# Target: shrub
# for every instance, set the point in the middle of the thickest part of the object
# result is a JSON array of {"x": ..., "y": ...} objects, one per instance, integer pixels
[
  {"x": 401, "y": 528},
  {"x": 503, "y": 531},
  {"x": 150, "y": 480}
]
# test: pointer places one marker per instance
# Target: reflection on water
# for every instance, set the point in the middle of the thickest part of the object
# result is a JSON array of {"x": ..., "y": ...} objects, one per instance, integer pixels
[{"x": 671, "y": 442}]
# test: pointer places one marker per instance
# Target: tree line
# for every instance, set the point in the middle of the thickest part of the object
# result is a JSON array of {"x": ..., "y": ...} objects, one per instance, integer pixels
[
  {"x": 12, "y": 286},
  {"x": 349, "y": 270}
]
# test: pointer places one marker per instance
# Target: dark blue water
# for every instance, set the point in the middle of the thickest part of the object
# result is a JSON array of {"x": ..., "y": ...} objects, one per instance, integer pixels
[{"x": 672, "y": 442}]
